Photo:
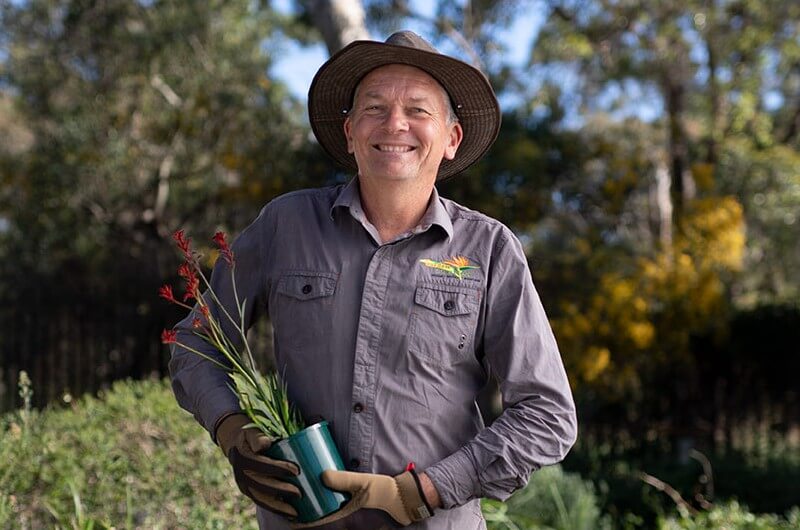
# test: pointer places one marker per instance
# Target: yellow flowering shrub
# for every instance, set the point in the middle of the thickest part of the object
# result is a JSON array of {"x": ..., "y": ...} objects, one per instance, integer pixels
[{"x": 641, "y": 317}]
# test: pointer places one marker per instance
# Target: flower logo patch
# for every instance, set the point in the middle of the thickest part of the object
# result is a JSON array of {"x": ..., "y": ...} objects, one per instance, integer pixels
[{"x": 458, "y": 266}]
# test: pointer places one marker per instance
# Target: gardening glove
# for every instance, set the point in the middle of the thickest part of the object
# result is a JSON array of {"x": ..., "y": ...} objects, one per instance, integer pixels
[
  {"x": 401, "y": 497},
  {"x": 261, "y": 478}
]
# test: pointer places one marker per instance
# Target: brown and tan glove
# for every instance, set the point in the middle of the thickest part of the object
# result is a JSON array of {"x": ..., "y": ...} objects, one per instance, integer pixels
[
  {"x": 400, "y": 496},
  {"x": 261, "y": 478}
]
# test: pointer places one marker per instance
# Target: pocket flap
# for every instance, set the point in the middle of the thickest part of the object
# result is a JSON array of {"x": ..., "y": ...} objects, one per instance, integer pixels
[
  {"x": 307, "y": 286},
  {"x": 445, "y": 302}
]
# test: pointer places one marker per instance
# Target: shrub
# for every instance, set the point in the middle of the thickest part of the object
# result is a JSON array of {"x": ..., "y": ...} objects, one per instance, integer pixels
[
  {"x": 614, "y": 466},
  {"x": 732, "y": 516},
  {"x": 553, "y": 499},
  {"x": 130, "y": 458}
]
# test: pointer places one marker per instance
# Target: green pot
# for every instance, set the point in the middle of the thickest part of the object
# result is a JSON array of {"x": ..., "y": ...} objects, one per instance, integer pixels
[{"x": 314, "y": 451}]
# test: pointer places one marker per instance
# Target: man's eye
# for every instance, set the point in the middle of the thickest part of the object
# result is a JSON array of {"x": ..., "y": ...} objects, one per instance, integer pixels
[{"x": 419, "y": 110}]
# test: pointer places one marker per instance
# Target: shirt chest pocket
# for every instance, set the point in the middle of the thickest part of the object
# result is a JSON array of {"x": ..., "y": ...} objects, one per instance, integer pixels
[
  {"x": 303, "y": 314},
  {"x": 442, "y": 327}
]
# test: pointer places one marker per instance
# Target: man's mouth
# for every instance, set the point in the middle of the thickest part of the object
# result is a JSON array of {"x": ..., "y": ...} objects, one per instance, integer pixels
[{"x": 393, "y": 148}]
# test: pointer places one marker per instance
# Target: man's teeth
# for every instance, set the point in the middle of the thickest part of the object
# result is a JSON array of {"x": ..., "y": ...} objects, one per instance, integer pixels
[{"x": 394, "y": 148}]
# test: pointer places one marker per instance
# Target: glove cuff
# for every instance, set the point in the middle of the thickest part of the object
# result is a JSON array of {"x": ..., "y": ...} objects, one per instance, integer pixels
[
  {"x": 413, "y": 497},
  {"x": 227, "y": 428}
]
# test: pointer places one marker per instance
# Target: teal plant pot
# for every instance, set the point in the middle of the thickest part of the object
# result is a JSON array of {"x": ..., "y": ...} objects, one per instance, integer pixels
[{"x": 313, "y": 450}]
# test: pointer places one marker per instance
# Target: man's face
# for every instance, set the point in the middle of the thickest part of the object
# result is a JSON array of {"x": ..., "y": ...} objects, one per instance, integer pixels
[{"x": 399, "y": 127}]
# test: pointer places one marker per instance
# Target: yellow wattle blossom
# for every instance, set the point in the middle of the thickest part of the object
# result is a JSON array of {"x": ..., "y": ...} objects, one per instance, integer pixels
[
  {"x": 646, "y": 314},
  {"x": 641, "y": 333},
  {"x": 596, "y": 361}
]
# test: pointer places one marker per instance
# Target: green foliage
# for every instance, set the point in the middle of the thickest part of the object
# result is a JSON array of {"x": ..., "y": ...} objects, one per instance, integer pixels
[
  {"x": 769, "y": 460},
  {"x": 714, "y": 128},
  {"x": 732, "y": 516},
  {"x": 552, "y": 499},
  {"x": 130, "y": 119},
  {"x": 768, "y": 182},
  {"x": 131, "y": 458},
  {"x": 266, "y": 402},
  {"x": 142, "y": 117},
  {"x": 660, "y": 227}
]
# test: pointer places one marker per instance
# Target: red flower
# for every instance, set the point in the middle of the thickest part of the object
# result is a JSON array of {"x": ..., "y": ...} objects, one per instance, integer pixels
[
  {"x": 196, "y": 323},
  {"x": 169, "y": 336},
  {"x": 204, "y": 310},
  {"x": 227, "y": 253},
  {"x": 184, "y": 243},
  {"x": 165, "y": 292},
  {"x": 192, "y": 288},
  {"x": 185, "y": 271}
]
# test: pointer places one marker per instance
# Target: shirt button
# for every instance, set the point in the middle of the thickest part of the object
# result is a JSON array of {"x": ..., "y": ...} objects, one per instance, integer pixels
[
  {"x": 306, "y": 288},
  {"x": 355, "y": 463},
  {"x": 449, "y": 305},
  {"x": 358, "y": 407}
]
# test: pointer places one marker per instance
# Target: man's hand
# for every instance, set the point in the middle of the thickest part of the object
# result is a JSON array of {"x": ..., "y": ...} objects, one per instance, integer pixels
[
  {"x": 401, "y": 497},
  {"x": 259, "y": 477}
]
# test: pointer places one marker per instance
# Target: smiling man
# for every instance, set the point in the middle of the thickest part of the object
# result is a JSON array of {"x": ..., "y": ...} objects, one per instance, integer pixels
[{"x": 391, "y": 307}]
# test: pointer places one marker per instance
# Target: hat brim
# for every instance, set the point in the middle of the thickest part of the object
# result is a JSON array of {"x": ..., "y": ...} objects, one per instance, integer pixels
[{"x": 331, "y": 94}]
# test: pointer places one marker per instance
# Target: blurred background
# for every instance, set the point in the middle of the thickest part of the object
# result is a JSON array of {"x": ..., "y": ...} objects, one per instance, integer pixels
[{"x": 648, "y": 160}]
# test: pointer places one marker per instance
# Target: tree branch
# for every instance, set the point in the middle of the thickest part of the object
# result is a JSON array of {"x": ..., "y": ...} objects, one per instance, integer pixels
[
  {"x": 169, "y": 94},
  {"x": 673, "y": 494}
]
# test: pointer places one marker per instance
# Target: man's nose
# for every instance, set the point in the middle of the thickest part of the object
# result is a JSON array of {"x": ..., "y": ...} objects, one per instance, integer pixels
[{"x": 396, "y": 119}]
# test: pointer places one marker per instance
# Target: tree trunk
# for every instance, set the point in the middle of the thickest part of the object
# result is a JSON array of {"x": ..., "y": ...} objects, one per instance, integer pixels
[
  {"x": 663, "y": 204},
  {"x": 339, "y": 21},
  {"x": 715, "y": 135},
  {"x": 683, "y": 189}
]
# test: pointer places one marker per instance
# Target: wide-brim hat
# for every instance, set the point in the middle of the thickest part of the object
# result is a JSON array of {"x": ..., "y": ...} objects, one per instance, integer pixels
[{"x": 474, "y": 102}]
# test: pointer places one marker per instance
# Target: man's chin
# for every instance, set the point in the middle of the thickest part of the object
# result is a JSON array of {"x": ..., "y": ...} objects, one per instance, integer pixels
[{"x": 392, "y": 176}]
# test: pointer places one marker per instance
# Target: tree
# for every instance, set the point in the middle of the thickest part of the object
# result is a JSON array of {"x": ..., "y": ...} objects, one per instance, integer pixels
[
  {"x": 140, "y": 118},
  {"x": 650, "y": 308},
  {"x": 712, "y": 84},
  {"x": 339, "y": 21}
]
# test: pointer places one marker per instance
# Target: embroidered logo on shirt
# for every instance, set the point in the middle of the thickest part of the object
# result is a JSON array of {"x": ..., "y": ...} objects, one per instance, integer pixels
[{"x": 457, "y": 266}]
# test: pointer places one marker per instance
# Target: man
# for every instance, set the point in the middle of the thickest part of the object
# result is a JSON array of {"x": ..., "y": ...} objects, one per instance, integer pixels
[{"x": 392, "y": 306}]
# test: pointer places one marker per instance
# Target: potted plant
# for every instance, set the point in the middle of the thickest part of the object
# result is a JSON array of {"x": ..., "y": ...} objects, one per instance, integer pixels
[{"x": 263, "y": 398}]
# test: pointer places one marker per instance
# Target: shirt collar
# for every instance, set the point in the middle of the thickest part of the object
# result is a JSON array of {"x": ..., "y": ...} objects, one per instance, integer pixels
[{"x": 436, "y": 214}]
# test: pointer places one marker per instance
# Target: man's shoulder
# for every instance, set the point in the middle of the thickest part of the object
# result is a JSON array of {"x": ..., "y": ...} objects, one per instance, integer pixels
[
  {"x": 321, "y": 196},
  {"x": 477, "y": 226},
  {"x": 296, "y": 206},
  {"x": 462, "y": 214}
]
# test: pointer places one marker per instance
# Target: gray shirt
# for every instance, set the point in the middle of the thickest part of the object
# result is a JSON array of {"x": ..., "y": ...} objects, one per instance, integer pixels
[{"x": 392, "y": 342}]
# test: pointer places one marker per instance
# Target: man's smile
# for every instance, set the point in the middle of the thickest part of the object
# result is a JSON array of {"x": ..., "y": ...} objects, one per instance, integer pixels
[{"x": 387, "y": 148}]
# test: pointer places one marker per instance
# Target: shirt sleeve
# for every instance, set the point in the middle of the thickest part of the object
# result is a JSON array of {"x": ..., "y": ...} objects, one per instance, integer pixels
[
  {"x": 538, "y": 424},
  {"x": 200, "y": 386}
]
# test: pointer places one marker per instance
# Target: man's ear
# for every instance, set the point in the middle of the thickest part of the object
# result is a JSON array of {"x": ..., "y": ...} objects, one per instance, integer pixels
[
  {"x": 347, "y": 126},
  {"x": 456, "y": 135}
]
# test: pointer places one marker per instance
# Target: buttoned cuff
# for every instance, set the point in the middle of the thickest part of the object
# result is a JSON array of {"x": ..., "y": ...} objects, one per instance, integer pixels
[{"x": 455, "y": 478}]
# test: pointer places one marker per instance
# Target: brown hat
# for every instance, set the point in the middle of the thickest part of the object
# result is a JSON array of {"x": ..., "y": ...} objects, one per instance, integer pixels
[{"x": 331, "y": 95}]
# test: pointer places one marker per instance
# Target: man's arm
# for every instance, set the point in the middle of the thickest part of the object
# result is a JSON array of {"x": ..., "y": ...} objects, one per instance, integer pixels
[
  {"x": 430, "y": 491},
  {"x": 538, "y": 425}
]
